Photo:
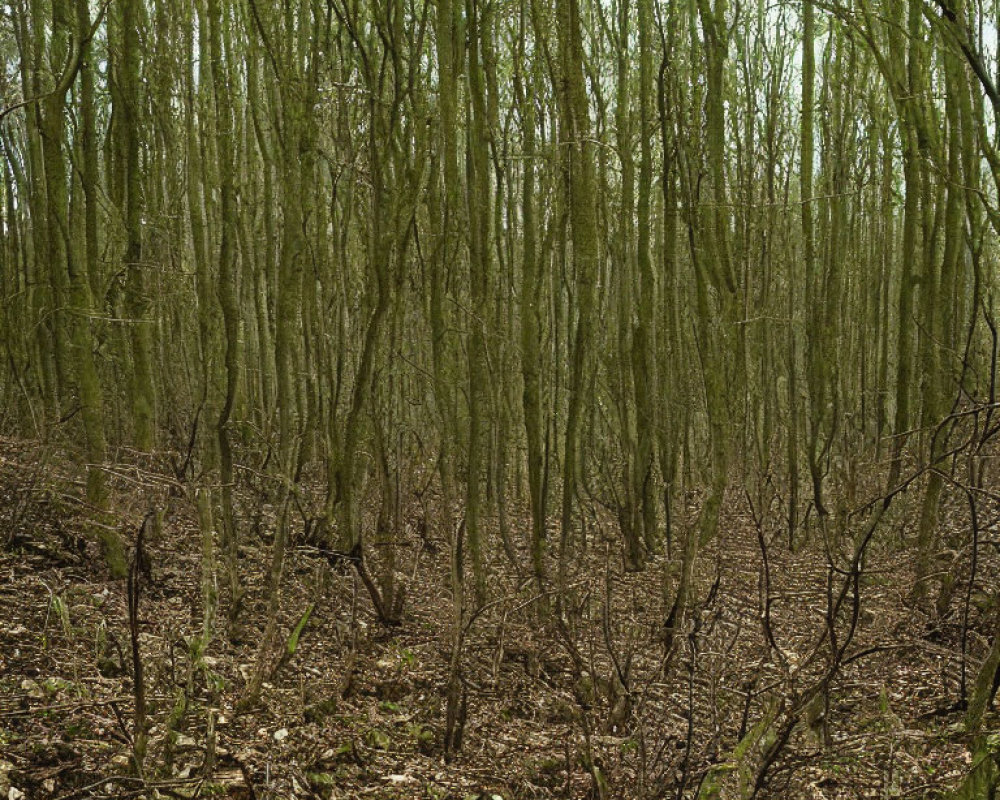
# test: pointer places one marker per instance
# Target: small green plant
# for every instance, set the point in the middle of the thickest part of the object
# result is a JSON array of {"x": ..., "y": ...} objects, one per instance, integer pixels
[
  {"x": 54, "y": 686},
  {"x": 380, "y": 740},
  {"x": 61, "y": 611},
  {"x": 322, "y": 782},
  {"x": 77, "y": 730},
  {"x": 215, "y": 682},
  {"x": 422, "y": 735},
  {"x": 344, "y": 750},
  {"x": 318, "y": 712}
]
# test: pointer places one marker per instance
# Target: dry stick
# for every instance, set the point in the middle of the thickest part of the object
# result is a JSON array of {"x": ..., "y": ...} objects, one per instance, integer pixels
[
  {"x": 455, "y": 689},
  {"x": 692, "y": 670},
  {"x": 644, "y": 697},
  {"x": 971, "y": 492},
  {"x": 88, "y": 790},
  {"x": 69, "y": 706},
  {"x": 976, "y": 481},
  {"x": 125, "y": 731},
  {"x": 600, "y": 789},
  {"x": 622, "y": 672},
  {"x": 356, "y": 558},
  {"x": 658, "y": 756},
  {"x": 766, "y": 578},
  {"x": 851, "y": 584},
  {"x": 346, "y": 683},
  {"x": 21, "y": 507},
  {"x": 968, "y": 596},
  {"x": 134, "y": 590},
  {"x": 661, "y": 669},
  {"x": 991, "y": 404}
]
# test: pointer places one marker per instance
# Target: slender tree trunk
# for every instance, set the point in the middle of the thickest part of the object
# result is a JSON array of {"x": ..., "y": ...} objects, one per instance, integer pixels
[
  {"x": 136, "y": 285},
  {"x": 577, "y": 152},
  {"x": 530, "y": 313},
  {"x": 480, "y": 267}
]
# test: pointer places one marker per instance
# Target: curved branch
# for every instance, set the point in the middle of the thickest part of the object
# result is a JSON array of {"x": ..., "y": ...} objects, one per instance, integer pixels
[{"x": 70, "y": 72}]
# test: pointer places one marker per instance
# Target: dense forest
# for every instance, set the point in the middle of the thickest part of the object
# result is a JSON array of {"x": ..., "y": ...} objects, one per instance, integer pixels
[{"x": 501, "y": 398}]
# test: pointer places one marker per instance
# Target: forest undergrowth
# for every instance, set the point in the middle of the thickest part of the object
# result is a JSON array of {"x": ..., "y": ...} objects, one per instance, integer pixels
[{"x": 586, "y": 698}]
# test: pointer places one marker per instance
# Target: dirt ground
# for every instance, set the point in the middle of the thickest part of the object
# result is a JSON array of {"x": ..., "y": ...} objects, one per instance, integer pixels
[{"x": 596, "y": 705}]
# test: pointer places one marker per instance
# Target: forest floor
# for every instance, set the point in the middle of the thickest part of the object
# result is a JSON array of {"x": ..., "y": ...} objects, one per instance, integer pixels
[{"x": 596, "y": 706}]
